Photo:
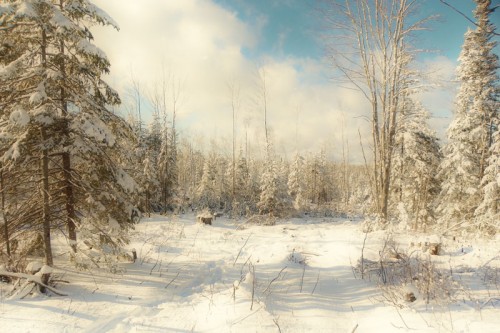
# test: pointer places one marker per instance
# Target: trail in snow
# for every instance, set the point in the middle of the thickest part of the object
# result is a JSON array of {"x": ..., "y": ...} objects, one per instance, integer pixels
[{"x": 192, "y": 277}]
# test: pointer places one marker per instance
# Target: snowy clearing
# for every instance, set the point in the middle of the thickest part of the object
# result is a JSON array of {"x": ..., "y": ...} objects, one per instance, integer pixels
[{"x": 191, "y": 277}]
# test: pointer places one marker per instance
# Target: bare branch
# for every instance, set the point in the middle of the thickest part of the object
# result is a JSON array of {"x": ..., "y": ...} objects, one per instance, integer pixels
[{"x": 467, "y": 17}]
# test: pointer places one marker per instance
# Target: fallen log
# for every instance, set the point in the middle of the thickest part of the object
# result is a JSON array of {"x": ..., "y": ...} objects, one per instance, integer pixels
[{"x": 36, "y": 279}]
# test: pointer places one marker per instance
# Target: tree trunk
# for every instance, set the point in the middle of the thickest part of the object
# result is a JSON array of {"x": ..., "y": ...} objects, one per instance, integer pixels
[
  {"x": 66, "y": 157},
  {"x": 46, "y": 209},
  {"x": 385, "y": 191},
  {"x": 5, "y": 221},
  {"x": 70, "y": 201},
  {"x": 262, "y": 74},
  {"x": 377, "y": 29},
  {"x": 148, "y": 203},
  {"x": 165, "y": 172},
  {"x": 46, "y": 218}
]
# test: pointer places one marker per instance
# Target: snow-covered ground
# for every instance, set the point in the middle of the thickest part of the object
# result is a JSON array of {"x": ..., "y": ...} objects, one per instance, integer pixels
[{"x": 296, "y": 276}]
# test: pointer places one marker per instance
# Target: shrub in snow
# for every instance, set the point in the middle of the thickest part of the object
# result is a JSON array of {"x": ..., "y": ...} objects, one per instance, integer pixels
[
  {"x": 274, "y": 200},
  {"x": 406, "y": 275},
  {"x": 262, "y": 220},
  {"x": 297, "y": 258}
]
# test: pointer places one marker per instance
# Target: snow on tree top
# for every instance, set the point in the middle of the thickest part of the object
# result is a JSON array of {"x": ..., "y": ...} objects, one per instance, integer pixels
[
  {"x": 99, "y": 13},
  {"x": 8, "y": 71},
  {"x": 5, "y": 8},
  {"x": 13, "y": 153},
  {"x": 19, "y": 117},
  {"x": 125, "y": 181},
  {"x": 39, "y": 95},
  {"x": 62, "y": 21},
  {"x": 89, "y": 48},
  {"x": 26, "y": 9},
  {"x": 97, "y": 130}
]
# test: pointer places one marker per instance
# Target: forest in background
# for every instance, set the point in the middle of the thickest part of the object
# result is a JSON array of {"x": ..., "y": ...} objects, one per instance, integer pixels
[{"x": 71, "y": 165}]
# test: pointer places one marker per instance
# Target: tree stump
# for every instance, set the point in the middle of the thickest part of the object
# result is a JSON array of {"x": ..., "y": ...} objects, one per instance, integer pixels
[
  {"x": 434, "y": 249},
  {"x": 205, "y": 219},
  {"x": 410, "y": 297}
]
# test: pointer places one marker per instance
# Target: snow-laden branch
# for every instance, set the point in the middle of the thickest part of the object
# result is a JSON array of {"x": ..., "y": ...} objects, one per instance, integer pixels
[{"x": 32, "y": 278}]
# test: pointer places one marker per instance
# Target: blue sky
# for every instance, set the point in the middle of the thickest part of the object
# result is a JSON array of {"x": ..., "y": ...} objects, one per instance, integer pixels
[
  {"x": 288, "y": 26},
  {"x": 291, "y": 26}
]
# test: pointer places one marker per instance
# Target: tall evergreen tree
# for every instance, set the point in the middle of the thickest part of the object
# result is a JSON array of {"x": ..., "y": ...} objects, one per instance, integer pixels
[
  {"x": 167, "y": 162},
  {"x": 416, "y": 160},
  {"x": 488, "y": 212},
  {"x": 317, "y": 179},
  {"x": 56, "y": 105},
  {"x": 295, "y": 182},
  {"x": 470, "y": 135},
  {"x": 207, "y": 189},
  {"x": 269, "y": 202},
  {"x": 242, "y": 186}
]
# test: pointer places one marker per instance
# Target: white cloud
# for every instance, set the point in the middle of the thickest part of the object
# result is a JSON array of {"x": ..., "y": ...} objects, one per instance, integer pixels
[
  {"x": 202, "y": 44},
  {"x": 439, "y": 95},
  {"x": 187, "y": 35}
]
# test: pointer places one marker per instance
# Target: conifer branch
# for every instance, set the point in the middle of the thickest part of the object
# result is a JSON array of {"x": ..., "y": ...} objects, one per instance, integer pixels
[{"x": 467, "y": 17}]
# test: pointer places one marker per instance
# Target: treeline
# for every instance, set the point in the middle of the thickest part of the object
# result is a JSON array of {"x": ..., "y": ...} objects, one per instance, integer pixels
[
  {"x": 192, "y": 179},
  {"x": 69, "y": 164}
]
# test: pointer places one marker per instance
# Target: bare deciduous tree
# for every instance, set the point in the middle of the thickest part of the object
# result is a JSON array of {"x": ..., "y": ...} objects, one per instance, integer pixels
[{"x": 371, "y": 49}]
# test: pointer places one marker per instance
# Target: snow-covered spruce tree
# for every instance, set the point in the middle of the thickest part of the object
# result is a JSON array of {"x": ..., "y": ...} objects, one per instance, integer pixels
[
  {"x": 310, "y": 178},
  {"x": 174, "y": 170},
  {"x": 229, "y": 190},
  {"x": 165, "y": 98},
  {"x": 416, "y": 160},
  {"x": 25, "y": 111},
  {"x": 206, "y": 194},
  {"x": 274, "y": 199},
  {"x": 252, "y": 190},
  {"x": 284, "y": 170},
  {"x": 488, "y": 212},
  {"x": 325, "y": 184},
  {"x": 54, "y": 87},
  {"x": 223, "y": 181},
  {"x": 150, "y": 181},
  {"x": 317, "y": 179},
  {"x": 167, "y": 162},
  {"x": 476, "y": 118},
  {"x": 295, "y": 182},
  {"x": 149, "y": 178},
  {"x": 164, "y": 168},
  {"x": 241, "y": 187},
  {"x": 190, "y": 165},
  {"x": 269, "y": 202},
  {"x": 361, "y": 197}
]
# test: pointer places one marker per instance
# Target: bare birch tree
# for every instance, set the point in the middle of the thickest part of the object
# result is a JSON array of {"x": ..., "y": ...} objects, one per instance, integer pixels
[
  {"x": 370, "y": 45},
  {"x": 234, "y": 91}
]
